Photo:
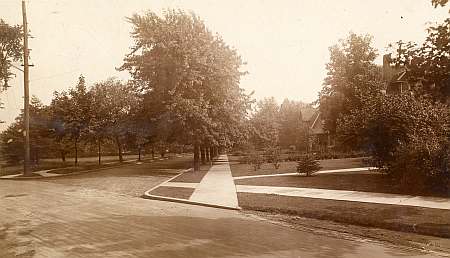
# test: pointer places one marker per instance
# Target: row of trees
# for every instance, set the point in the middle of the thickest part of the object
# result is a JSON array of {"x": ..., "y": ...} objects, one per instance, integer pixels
[
  {"x": 102, "y": 114},
  {"x": 407, "y": 134},
  {"x": 184, "y": 89}
]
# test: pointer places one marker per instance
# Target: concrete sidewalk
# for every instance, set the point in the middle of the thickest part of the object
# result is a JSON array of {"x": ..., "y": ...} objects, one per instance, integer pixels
[
  {"x": 217, "y": 187},
  {"x": 354, "y": 196},
  {"x": 332, "y": 171}
]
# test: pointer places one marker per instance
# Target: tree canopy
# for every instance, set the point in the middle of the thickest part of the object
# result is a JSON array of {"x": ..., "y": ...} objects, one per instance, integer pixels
[
  {"x": 351, "y": 69},
  {"x": 190, "y": 76}
]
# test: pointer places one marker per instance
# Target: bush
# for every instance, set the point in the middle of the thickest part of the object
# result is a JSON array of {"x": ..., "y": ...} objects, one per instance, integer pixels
[
  {"x": 407, "y": 137},
  {"x": 273, "y": 156},
  {"x": 255, "y": 160},
  {"x": 308, "y": 165}
]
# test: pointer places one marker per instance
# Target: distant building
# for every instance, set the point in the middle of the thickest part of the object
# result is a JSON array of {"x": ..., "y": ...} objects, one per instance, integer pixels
[
  {"x": 319, "y": 138},
  {"x": 398, "y": 81}
]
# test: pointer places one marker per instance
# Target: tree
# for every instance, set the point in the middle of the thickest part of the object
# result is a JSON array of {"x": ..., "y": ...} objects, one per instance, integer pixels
[
  {"x": 191, "y": 79},
  {"x": 265, "y": 124},
  {"x": 112, "y": 116},
  {"x": 292, "y": 129},
  {"x": 58, "y": 114},
  {"x": 429, "y": 63},
  {"x": 10, "y": 50},
  {"x": 351, "y": 69},
  {"x": 72, "y": 113},
  {"x": 41, "y": 143}
]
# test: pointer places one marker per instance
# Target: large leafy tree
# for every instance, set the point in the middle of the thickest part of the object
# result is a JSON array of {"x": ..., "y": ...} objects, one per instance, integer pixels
[
  {"x": 114, "y": 103},
  {"x": 350, "y": 71},
  {"x": 10, "y": 50},
  {"x": 191, "y": 79},
  {"x": 72, "y": 113}
]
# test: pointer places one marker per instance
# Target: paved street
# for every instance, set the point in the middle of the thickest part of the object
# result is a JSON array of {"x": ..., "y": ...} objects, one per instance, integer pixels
[{"x": 100, "y": 215}]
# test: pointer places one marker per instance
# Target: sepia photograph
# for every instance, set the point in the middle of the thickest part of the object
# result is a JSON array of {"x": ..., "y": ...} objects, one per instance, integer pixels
[{"x": 208, "y": 128}]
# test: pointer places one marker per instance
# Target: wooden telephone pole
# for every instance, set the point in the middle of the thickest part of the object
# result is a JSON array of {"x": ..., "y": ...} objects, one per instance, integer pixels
[{"x": 26, "y": 87}]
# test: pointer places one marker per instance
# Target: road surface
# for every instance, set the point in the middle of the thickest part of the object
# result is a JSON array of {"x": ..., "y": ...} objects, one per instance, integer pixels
[{"x": 101, "y": 215}]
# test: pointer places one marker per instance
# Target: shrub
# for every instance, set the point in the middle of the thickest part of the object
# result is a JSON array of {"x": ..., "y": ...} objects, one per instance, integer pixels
[
  {"x": 273, "y": 156},
  {"x": 255, "y": 160},
  {"x": 408, "y": 138},
  {"x": 308, "y": 165}
]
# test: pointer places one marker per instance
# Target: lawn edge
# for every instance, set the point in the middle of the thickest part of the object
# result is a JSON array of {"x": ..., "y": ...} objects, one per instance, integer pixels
[{"x": 397, "y": 226}]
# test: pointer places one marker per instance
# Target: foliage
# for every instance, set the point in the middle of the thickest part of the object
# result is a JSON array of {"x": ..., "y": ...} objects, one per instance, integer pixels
[
  {"x": 273, "y": 156},
  {"x": 10, "y": 50},
  {"x": 292, "y": 128},
  {"x": 437, "y": 3},
  {"x": 350, "y": 70},
  {"x": 401, "y": 131},
  {"x": 265, "y": 124},
  {"x": 256, "y": 160},
  {"x": 428, "y": 65},
  {"x": 112, "y": 117},
  {"x": 12, "y": 139},
  {"x": 191, "y": 77},
  {"x": 308, "y": 165}
]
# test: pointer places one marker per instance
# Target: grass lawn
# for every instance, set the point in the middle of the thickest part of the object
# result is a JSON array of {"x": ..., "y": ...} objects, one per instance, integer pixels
[
  {"x": 192, "y": 176},
  {"x": 435, "y": 222},
  {"x": 90, "y": 163},
  {"x": 352, "y": 181},
  {"x": 173, "y": 192},
  {"x": 47, "y": 164},
  {"x": 290, "y": 167}
]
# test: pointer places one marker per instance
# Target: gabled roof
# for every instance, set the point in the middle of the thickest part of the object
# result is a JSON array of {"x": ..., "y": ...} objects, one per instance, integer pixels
[
  {"x": 308, "y": 113},
  {"x": 317, "y": 126}
]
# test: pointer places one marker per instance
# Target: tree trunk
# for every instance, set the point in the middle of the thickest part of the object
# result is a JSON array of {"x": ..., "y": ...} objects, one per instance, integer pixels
[
  {"x": 203, "y": 155},
  {"x": 99, "y": 153},
  {"x": 76, "y": 152},
  {"x": 153, "y": 152},
  {"x": 196, "y": 158},
  {"x": 119, "y": 147},
  {"x": 208, "y": 154},
  {"x": 63, "y": 155},
  {"x": 139, "y": 150}
]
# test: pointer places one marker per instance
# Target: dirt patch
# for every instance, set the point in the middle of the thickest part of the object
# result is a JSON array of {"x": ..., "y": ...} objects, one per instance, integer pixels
[
  {"x": 173, "y": 192},
  {"x": 435, "y": 222}
]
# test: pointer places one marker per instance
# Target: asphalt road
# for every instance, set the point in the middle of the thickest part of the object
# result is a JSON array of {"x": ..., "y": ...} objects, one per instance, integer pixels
[{"x": 101, "y": 215}]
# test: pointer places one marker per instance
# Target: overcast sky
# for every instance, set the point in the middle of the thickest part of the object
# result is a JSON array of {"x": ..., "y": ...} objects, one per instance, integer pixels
[{"x": 285, "y": 43}]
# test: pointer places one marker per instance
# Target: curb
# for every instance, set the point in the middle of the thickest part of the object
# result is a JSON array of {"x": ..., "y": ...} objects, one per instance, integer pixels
[
  {"x": 170, "y": 199},
  {"x": 147, "y": 195},
  {"x": 125, "y": 163}
]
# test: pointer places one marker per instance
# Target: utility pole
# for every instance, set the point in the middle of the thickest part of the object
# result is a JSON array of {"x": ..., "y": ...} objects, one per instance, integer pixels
[{"x": 26, "y": 97}]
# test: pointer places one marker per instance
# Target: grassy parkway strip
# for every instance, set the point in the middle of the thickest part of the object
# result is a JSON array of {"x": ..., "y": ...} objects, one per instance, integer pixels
[{"x": 354, "y": 196}]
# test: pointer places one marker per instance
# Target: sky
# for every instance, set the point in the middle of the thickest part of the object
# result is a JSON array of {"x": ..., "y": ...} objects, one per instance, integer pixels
[{"x": 285, "y": 43}]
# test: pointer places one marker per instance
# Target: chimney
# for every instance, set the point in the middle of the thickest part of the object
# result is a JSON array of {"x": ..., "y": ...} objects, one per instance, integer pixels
[{"x": 387, "y": 69}]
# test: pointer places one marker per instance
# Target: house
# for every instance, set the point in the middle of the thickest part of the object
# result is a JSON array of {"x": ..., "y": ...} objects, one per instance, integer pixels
[
  {"x": 397, "y": 79},
  {"x": 319, "y": 139}
]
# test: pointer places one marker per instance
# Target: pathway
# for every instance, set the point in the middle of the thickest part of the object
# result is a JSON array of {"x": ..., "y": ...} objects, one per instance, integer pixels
[
  {"x": 332, "y": 171},
  {"x": 217, "y": 187},
  {"x": 354, "y": 196}
]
